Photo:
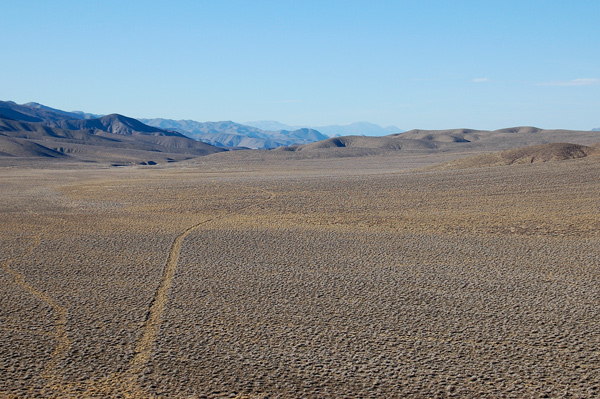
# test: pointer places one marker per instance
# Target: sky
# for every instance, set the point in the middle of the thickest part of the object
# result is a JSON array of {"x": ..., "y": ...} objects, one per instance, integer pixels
[{"x": 413, "y": 64}]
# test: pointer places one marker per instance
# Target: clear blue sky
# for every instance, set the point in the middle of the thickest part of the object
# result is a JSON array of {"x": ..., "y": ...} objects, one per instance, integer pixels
[{"x": 414, "y": 64}]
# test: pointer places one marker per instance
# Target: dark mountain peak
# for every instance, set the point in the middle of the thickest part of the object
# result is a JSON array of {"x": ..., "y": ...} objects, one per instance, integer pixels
[
  {"x": 114, "y": 123},
  {"x": 118, "y": 118},
  {"x": 51, "y": 112},
  {"x": 121, "y": 124},
  {"x": 18, "y": 112},
  {"x": 34, "y": 112}
]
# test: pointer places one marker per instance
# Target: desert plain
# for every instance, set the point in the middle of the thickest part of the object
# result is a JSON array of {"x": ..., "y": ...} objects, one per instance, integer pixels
[{"x": 363, "y": 277}]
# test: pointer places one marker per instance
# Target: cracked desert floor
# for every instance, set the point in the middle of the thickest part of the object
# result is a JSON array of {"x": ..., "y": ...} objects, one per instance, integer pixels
[{"x": 343, "y": 279}]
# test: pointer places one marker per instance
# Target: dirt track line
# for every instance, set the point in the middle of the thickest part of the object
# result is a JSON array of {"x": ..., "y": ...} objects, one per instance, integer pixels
[
  {"x": 60, "y": 332},
  {"x": 152, "y": 324}
]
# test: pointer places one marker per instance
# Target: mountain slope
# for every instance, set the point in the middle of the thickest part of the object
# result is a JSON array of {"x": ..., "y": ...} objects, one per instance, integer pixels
[
  {"x": 35, "y": 130},
  {"x": 114, "y": 123},
  {"x": 23, "y": 148},
  {"x": 90, "y": 144},
  {"x": 34, "y": 112},
  {"x": 268, "y": 140},
  {"x": 231, "y": 134},
  {"x": 197, "y": 128}
]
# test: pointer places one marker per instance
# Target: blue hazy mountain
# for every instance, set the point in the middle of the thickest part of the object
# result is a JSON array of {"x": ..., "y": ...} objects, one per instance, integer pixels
[
  {"x": 36, "y": 112},
  {"x": 231, "y": 134},
  {"x": 271, "y": 125},
  {"x": 33, "y": 112},
  {"x": 353, "y": 129}
]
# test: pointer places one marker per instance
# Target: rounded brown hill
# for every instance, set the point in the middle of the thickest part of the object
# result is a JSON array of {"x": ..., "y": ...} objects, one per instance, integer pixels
[
  {"x": 533, "y": 154},
  {"x": 451, "y": 140}
]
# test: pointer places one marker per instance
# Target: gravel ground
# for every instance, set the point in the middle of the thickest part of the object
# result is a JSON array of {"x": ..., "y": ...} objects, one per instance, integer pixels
[{"x": 179, "y": 282}]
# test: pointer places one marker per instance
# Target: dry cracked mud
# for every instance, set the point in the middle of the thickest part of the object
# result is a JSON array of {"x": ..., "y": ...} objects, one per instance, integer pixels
[{"x": 295, "y": 281}]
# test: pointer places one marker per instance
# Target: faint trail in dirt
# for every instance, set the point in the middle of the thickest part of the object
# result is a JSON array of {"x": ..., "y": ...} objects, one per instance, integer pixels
[
  {"x": 152, "y": 324},
  {"x": 60, "y": 332},
  {"x": 153, "y": 321}
]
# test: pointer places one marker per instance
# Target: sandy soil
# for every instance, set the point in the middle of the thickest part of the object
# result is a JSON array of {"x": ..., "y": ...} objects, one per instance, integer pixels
[{"x": 300, "y": 280}]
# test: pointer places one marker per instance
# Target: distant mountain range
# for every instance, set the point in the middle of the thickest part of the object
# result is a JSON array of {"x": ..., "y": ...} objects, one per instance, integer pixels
[
  {"x": 72, "y": 114},
  {"x": 114, "y": 123},
  {"x": 227, "y": 134},
  {"x": 353, "y": 129},
  {"x": 596, "y": 129},
  {"x": 36, "y": 131},
  {"x": 234, "y": 135},
  {"x": 33, "y": 112}
]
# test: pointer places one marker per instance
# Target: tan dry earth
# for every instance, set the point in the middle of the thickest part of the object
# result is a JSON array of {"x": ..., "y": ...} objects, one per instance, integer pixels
[
  {"x": 550, "y": 152},
  {"x": 312, "y": 278}
]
